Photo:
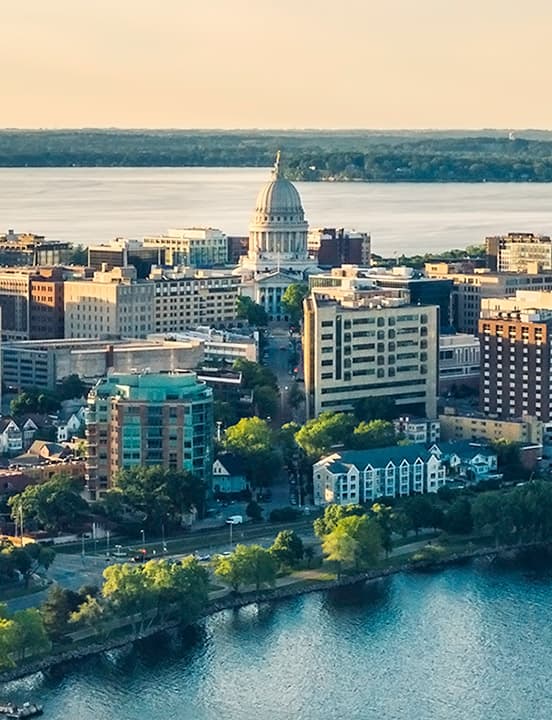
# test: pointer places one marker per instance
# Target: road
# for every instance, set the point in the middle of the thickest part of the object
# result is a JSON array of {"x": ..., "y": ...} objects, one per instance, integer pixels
[{"x": 73, "y": 571}]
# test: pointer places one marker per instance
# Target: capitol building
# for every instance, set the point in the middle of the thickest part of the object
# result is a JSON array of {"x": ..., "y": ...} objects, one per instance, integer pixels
[{"x": 277, "y": 254}]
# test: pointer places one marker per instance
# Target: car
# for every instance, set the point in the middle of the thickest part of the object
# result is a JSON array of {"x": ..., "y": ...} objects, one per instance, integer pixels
[
  {"x": 203, "y": 558},
  {"x": 226, "y": 553},
  {"x": 234, "y": 520}
]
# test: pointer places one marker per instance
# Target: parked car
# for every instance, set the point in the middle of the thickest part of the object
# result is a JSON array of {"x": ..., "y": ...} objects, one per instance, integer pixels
[{"x": 234, "y": 520}]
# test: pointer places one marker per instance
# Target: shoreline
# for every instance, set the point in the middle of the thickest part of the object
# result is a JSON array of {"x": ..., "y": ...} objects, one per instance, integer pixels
[{"x": 234, "y": 602}]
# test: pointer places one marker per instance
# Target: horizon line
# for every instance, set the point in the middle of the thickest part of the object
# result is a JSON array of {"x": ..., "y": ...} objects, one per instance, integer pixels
[{"x": 121, "y": 128}]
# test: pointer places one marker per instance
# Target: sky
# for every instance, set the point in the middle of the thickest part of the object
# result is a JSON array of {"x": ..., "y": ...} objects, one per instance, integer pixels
[{"x": 378, "y": 64}]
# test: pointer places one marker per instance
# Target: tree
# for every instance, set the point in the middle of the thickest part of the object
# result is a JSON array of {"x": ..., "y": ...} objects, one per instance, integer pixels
[
  {"x": 128, "y": 592},
  {"x": 54, "y": 505},
  {"x": 57, "y": 609},
  {"x": 90, "y": 613},
  {"x": 292, "y": 300},
  {"x": 71, "y": 387},
  {"x": 373, "y": 407},
  {"x": 160, "y": 494},
  {"x": 493, "y": 512},
  {"x": 458, "y": 519},
  {"x": 419, "y": 509},
  {"x": 384, "y": 516},
  {"x": 265, "y": 399},
  {"x": 247, "y": 309},
  {"x": 30, "y": 635},
  {"x": 247, "y": 565},
  {"x": 79, "y": 256},
  {"x": 332, "y": 515},
  {"x": 254, "y": 511},
  {"x": 355, "y": 541},
  {"x": 373, "y": 434},
  {"x": 296, "y": 396},
  {"x": 287, "y": 548},
  {"x": 252, "y": 440},
  {"x": 34, "y": 401},
  {"x": 319, "y": 435},
  {"x": 7, "y": 640}
]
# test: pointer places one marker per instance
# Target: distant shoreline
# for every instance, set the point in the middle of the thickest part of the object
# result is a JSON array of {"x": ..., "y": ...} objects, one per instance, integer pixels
[{"x": 338, "y": 156}]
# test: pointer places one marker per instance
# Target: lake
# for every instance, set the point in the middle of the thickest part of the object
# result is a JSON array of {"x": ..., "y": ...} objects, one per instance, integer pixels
[
  {"x": 473, "y": 643},
  {"x": 92, "y": 205}
]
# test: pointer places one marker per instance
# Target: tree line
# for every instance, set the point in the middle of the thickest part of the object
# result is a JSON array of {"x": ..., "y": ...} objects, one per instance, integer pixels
[{"x": 309, "y": 155}]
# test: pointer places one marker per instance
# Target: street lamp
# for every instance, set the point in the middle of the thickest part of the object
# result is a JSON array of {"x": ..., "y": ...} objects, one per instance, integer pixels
[
  {"x": 219, "y": 425},
  {"x": 143, "y": 534},
  {"x": 282, "y": 401}
]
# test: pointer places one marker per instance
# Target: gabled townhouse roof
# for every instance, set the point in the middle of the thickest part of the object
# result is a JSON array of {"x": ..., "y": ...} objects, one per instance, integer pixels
[
  {"x": 5, "y": 421},
  {"x": 50, "y": 450},
  {"x": 464, "y": 449},
  {"x": 377, "y": 457},
  {"x": 231, "y": 463}
]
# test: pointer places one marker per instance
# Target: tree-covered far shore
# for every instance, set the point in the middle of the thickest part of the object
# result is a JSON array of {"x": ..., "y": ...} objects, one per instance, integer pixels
[{"x": 315, "y": 155}]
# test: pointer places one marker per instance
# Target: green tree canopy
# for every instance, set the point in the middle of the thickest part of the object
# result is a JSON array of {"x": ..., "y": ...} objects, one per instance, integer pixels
[
  {"x": 248, "y": 309},
  {"x": 292, "y": 300},
  {"x": 319, "y": 435},
  {"x": 252, "y": 439},
  {"x": 247, "y": 565},
  {"x": 287, "y": 548},
  {"x": 373, "y": 434},
  {"x": 54, "y": 505},
  {"x": 373, "y": 407},
  {"x": 332, "y": 515},
  {"x": 355, "y": 541}
]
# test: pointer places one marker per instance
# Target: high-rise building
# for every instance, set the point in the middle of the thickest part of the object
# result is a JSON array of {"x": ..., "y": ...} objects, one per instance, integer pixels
[
  {"x": 186, "y": 298},
  {"x": 197, "y": 246},
  {"x": 112, "y": 304},
  {"x": 376, "y": 346},
  {"x": 516, "y": 347},
  {"x": 32, "y": 304},
  {"x": 148, "y": 420},
  {"x": 470, "y": 288},
  {"x": 519, "y": 252},
  {"x": 338, "y": 246}
]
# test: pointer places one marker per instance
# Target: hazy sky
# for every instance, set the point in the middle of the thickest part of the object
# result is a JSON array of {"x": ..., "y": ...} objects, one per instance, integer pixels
[{"x": 275, "y": 63}]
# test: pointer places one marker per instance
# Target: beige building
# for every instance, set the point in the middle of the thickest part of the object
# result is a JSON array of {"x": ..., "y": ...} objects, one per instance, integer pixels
[
  {"x": 112, "y": 304},
  {"x": 370, "y": 346},
  {"x": 196, "y": 246},
  {"x": 470, "y": 288},
  {"x": 519, "y": 252},
  {"x": 477, "y": 426},
  {"x": 186, "y": 298}
]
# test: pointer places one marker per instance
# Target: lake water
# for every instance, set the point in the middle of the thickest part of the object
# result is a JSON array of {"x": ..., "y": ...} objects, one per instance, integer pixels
[
  {"x": 471, "y": 643},
  {"x": 91, "y": 205}
]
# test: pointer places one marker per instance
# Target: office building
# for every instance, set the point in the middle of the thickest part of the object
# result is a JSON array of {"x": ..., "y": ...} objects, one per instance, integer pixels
[
  {"x": 519, "y": 252},
  {"x": 111, "y": 304},
  {"x": 332, "y": 247},
  {"x": 185, "y": 298},
  {"x": 459, "y": 361},
  {"x": 358, "y": 347},
  {"x": 470, "y": 288},
  {"x": 146, "y": 420},
  {"x": 31, "y": 300},
  {"x": 411, "y": 284},
  {"x": 122, "y": 252},
  {"x": 24, "y": 249},
  {"x": 197, "y": 247},
  {"x": 516, "y": 347},
  {"x": 478, "y": 426},
  {"x": 38, "y": 364},
  {"x": 220, "y": 347}
]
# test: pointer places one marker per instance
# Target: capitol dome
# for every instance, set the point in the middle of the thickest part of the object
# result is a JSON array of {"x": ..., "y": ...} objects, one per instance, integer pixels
[
  {"x": 279, "y": 197},
  {"x": 278, "y": 228}
]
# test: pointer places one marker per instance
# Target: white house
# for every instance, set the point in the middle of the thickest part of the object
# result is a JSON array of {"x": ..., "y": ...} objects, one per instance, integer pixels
[
  {"x": 228, "y": 474},
  {"x": 11, "y": 437},
  {"x": 466, "y": 460},
  {"x": 72, "y": 426},
  {"x": 360, "y": 476}
]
